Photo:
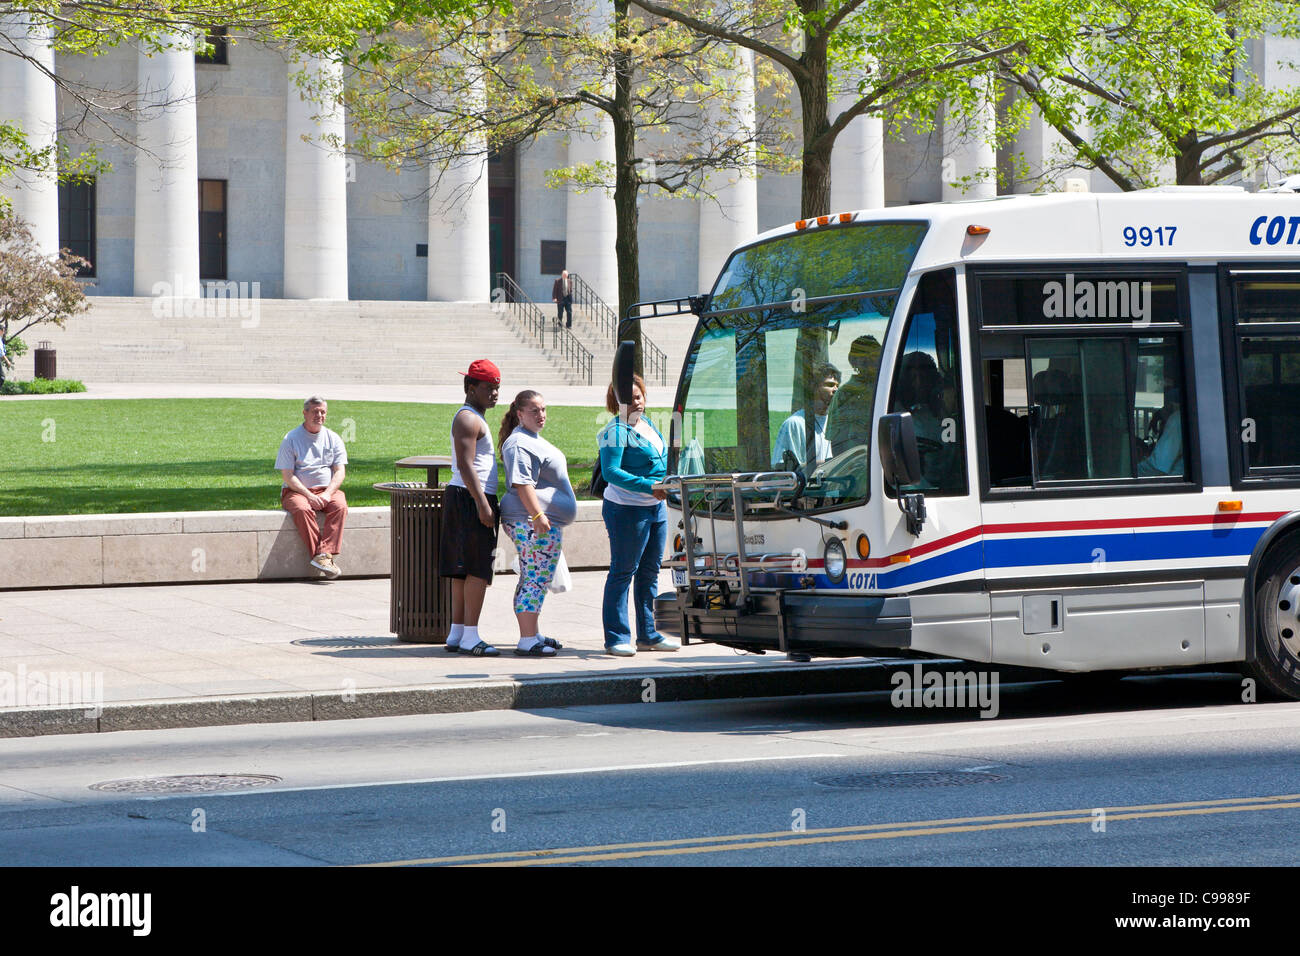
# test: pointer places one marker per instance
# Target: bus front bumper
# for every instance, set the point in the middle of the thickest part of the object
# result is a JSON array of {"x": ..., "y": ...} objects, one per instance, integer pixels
[{"x": 822, "y": 623}]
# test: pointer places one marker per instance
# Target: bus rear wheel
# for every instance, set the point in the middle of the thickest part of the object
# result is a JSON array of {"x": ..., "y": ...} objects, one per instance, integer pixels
[{"x": 1277, "y": 621}]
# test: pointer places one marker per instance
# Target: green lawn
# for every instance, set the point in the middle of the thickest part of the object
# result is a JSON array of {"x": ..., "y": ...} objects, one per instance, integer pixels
[{"x": 88, "y": 456}]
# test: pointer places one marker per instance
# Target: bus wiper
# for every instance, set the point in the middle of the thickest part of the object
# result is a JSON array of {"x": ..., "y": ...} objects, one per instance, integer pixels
[{"x": 835, "y": 525}]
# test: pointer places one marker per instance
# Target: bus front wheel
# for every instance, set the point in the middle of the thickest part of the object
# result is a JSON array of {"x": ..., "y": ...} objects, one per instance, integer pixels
[{"x": 1277, "y": 621}]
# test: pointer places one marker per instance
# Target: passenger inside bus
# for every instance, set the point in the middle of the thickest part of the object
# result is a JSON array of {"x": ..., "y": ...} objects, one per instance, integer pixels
[
  {"x": 1060, "y": 446},
  {"x": 849, "y": 418},
  {"x": 923, "y": 391},
  {"x": 1166, "y": 456},
  {"x": 792, "y": 439}
]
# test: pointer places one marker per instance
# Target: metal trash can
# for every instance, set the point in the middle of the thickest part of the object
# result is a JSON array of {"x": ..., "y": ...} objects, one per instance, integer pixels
[
  {"x": 420, "y": 601},
  {"x": 46, "y": 365}
]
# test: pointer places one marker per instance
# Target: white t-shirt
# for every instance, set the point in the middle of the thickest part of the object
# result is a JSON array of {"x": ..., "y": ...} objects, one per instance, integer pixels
[
  {"x": 311, "y": 456},
  {"x": 793, "y": 437}
]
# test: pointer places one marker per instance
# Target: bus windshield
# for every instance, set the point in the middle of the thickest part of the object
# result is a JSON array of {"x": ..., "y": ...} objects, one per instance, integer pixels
[{"x": 759, "y": 374}]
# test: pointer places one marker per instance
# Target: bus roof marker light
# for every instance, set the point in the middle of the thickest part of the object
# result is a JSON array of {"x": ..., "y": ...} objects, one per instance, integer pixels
[
  {"x": 823, "y": 220},
  {"x": 801, "y": 224},
  {"x": 1230, "y": 506},
  {"x": 973, "y": 230},
  {"x": 848, "y": 216}
]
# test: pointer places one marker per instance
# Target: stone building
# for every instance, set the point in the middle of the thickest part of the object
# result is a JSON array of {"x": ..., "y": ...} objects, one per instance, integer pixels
[{"x": 231, "y": 184}]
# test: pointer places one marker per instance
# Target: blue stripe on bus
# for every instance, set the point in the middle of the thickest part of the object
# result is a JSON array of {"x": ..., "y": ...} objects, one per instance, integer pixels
[{"x": 1030, "y": 553}]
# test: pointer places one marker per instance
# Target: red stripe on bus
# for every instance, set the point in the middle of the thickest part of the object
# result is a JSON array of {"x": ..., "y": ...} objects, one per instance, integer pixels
[{"x": 980, "y": 530}]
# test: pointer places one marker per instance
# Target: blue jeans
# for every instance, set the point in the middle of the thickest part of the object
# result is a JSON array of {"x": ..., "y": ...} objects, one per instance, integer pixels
[{"x": 637, "y": 536}]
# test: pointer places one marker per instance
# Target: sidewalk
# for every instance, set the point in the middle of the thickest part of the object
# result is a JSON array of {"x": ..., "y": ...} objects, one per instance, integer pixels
[{"x": 206, "y": 655}]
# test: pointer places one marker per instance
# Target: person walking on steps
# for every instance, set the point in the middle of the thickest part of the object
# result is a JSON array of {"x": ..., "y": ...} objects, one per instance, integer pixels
[{"x": 562, "y": 296}]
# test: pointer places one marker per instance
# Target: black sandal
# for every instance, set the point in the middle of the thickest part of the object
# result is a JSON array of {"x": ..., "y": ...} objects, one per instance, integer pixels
[
  {"x": 552, "y": 642},
  {"x": 540, "y": 649},
  {"x": 481, "y": 649}
]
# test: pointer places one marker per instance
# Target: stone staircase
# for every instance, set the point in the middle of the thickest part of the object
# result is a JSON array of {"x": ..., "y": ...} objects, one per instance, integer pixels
[
  {"x": 672, "y": 335},
  {"x": 135, "y": 339}
]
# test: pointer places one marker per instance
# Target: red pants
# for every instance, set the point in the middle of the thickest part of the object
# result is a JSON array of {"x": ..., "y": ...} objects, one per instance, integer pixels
[{"x": 304, "y": 517}]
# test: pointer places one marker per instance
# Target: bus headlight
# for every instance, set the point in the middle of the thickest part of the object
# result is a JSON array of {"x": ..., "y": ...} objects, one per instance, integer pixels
[{"x": 836, "y": 561}]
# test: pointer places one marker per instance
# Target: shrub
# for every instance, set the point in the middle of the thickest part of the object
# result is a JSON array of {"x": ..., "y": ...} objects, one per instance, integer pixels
[{"x": 42, "y": 386}]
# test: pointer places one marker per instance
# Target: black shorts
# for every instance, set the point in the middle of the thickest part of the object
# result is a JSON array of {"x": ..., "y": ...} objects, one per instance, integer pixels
[{"x": 466, "y": 548}]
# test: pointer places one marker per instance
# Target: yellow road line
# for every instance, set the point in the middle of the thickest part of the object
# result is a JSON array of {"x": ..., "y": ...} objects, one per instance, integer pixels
[
  {"x": 880, "y": 835},
  {"x": 871, "y": 831}
]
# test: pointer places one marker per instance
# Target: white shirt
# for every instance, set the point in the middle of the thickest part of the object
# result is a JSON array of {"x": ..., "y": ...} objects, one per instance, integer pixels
[
  {"x": 793, "y": 436},
  {"x": 484, "y": 463}
]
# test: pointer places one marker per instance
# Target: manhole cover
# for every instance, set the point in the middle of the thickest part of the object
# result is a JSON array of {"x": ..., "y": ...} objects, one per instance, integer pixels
[
  {"x": 188, "y": 783},
  {"x": 347, "y": 642},
  {"x": 908, "y": 779}
]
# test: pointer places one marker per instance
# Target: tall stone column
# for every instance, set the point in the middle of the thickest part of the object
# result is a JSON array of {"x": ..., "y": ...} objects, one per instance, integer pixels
[
  {"x": 969, "y": 154},
  {"x": 592, "y": 223},
  {"x": 858, "y": 160},
  {"x": 731, "y": 216},
  {"x": 27, "y": 99},
  {"x": 460, "y": 263},
  {"x": 591, "y": 220},
  {"x": 315, "y": 184},
  {"x": 167, "y": 171}
]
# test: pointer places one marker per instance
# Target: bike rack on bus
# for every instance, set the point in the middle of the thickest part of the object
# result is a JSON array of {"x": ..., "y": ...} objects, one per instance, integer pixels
[{"x": 709, "y": 576}]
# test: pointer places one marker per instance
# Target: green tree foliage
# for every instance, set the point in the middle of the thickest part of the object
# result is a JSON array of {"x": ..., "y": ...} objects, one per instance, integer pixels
[
  {"x": 905, "y": 57},
  {"x": 1137, "y": 86},
  {"x": 34, "y": 288},
  {"x": 665, "y": 96},
  {"x": 344, "y": 29}
]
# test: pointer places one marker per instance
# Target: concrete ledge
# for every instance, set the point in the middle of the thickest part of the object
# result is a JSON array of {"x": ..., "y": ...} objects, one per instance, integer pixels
[
  {"x": 46, "y": 551},
  {"x": 706, "y": 683}
]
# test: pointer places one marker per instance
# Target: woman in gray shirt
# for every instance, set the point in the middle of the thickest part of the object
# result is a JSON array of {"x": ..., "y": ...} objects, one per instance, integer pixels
[{"x": 539, "y": 503}]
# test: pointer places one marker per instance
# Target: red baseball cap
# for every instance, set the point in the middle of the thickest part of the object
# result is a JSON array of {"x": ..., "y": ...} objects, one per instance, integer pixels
[{"x": 481, "y": 370}]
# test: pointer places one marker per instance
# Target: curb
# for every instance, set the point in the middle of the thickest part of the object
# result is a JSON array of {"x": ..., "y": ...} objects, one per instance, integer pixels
[{"x": 531, "y": 693}]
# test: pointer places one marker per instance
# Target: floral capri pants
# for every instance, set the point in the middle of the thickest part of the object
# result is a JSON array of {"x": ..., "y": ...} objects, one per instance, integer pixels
[{"x": 538, "y": 556}]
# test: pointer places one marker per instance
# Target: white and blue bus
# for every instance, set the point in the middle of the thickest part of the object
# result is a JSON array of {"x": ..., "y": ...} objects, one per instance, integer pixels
[{"x": 1056, "y": 431}]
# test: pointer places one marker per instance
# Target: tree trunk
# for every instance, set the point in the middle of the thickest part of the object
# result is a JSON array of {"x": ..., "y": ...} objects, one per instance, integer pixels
[
  {"x": 1187, "y": 164},
  {"x": 626, "y": 183},
  {"x": 814, "y": 103}
]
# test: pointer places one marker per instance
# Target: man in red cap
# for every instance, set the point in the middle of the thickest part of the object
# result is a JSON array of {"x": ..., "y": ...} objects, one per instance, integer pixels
[{"x": 470, "y": 513}]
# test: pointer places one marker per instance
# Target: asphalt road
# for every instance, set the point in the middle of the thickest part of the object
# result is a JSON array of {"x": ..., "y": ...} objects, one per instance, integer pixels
[{"x": 1160, "y": 771}]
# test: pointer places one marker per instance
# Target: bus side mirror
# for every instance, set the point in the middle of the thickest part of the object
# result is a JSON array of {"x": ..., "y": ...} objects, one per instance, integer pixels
[{"x": 899, "y": 459}]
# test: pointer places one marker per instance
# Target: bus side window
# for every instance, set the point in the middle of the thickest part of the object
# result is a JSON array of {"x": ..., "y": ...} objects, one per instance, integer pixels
[
  {"x": 927, "y": 383},
  {"x": 1267, "y": 317},
  {"x": 1006, "y": 422}
]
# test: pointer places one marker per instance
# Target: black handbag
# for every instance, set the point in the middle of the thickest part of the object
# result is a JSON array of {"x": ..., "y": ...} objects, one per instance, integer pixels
[{"x": 598, "y": 482}]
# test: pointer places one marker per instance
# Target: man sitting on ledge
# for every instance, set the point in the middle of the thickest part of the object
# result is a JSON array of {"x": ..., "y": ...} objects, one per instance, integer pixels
[{"x": 313, "y": 461}]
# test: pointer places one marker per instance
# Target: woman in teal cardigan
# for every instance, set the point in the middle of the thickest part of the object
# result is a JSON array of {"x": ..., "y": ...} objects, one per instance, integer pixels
[{"x": 633, "y": 459}]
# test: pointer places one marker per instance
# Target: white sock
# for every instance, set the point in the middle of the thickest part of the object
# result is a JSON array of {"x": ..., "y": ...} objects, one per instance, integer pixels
[
  {"x": 526, "y": 643},
  {"x": 453, "y": 638},
  {"x": 470, "y": 637}
]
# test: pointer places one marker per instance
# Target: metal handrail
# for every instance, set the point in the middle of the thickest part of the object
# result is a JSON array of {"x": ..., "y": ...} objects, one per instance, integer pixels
[
  {"x": 530, "y": 317},
  {"x": 584, "y": 295},
  {"x": 654, "y": 363},
  {"x": 523, "y": 309}
]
